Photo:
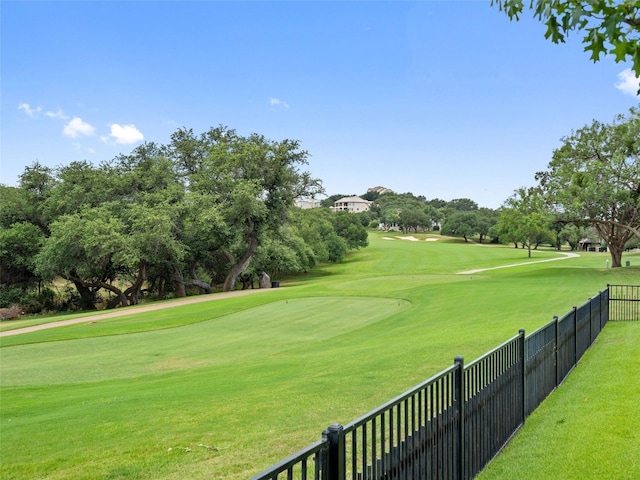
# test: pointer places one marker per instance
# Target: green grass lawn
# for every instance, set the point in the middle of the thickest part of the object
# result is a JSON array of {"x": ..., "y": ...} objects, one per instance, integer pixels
[
  {"x": 589, "y": 428},
  {"x": 224, "y": 389}
]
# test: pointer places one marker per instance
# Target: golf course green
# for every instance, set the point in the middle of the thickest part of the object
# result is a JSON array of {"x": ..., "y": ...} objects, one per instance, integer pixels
[{"x": 225, "y": 388}]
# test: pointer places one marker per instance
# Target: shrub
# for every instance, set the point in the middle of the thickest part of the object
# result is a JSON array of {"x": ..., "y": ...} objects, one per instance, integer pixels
[{"x": 10, "y": 313}]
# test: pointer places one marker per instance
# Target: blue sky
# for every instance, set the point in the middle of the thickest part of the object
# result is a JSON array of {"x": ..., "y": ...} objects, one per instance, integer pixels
[{"x": 446, "y": 99}]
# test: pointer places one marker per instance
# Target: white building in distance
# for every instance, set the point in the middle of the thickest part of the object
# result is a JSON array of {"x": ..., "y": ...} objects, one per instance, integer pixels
[
  {"x": 307, "y": 203},
  {"x": 352, "y": 205}
]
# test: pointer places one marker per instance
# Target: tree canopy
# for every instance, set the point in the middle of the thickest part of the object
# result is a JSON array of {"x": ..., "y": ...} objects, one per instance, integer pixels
[
  {"x": 594, "y": 178},
  {"x": 525, "y": 219},
  {"x": 214, "y": 209}
]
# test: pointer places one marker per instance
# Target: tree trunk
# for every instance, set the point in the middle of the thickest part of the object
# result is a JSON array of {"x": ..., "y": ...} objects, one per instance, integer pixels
[
  {"x": 196, "y": 282},
  {"x": 178, "y": 282},
  {"x": 616, "y": 256},
  {"x": 616, "y": 236},
  {"x": 200, "y": 284},
  {"x": 87, "y": 297},
  {"x": 133, "y": 292},
  {"x": 181, "y": 283},
  {"x": 120, "y": 298},
  {"x": 162, "y": 286},
  {"x": 243, "y": 263}
]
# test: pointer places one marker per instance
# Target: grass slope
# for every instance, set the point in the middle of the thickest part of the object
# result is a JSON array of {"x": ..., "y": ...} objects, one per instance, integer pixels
[
  {"x": 224, "y": 389},
  {"x": 588, "y": 428}
]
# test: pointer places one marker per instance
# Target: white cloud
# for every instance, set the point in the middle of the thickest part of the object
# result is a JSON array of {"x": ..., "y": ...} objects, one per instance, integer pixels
[
  {"x": 274, "y": 102},
  {"x": 629, "y": 84},
  {"x": 126, "y": 133},
  {"x": 77, "y": 127},
  {"x": 58, "y": 114},
  {"x": 31, "y": 112}
]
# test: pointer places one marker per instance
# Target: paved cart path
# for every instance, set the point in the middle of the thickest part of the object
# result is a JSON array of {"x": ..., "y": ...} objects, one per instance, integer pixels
[
  {"x": 214, "y": 296},
  {"x": 133, "y": 311},
  {"x": 478, "y": 270}
]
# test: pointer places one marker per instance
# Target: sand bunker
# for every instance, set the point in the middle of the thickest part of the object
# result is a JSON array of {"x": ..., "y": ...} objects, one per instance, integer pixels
[{"x": 411, "y": 239}]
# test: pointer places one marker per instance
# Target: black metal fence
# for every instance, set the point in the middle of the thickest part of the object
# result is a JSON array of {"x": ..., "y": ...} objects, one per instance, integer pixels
[
  {"x": 624, "y": 302},
  {"x": 451, "y": 425}
]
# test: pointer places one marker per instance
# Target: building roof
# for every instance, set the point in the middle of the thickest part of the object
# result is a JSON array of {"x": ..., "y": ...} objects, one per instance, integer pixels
[{"x": 352, "y": 199}]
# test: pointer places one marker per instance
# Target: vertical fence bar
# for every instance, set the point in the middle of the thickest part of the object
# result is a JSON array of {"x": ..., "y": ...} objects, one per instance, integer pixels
[
  {"x": 523, "y": 360},
  {"x": 459, "y": 399},
  {"x": 555, "y": 319},
  {"x": 590, "y": 322}
]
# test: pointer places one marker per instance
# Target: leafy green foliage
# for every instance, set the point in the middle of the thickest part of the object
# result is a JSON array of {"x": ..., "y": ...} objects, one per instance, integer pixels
[
  {"x": 168, "y": 220},
  {"x": 407, "y": 211},
  {"x": 594, "y": 178},
  {"x": 19, "y": 245},
  {"x": 350, "y": 228},
  {"x": 460, "y": 224},
  {"x": 316, "y": 227},
  {"x": 525, "y": 219},
  {"x": 607, "y": 27}
]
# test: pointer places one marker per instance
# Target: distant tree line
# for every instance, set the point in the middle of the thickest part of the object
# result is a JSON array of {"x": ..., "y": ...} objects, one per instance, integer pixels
[
  {"x": 204, "y": 212},
  {"x": 406, "y": 212}
]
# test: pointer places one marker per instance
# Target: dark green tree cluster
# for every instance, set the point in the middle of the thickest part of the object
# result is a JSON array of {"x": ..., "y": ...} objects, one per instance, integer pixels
[
  {"x": 593, "y": 180},
  {"x": 459, "y": 217},
  {"x": 463, "y": 218},
  {"x": 406, "y": 212},
  {"x": 202, "y": 212},
  {"x": 525, "y": 219}
]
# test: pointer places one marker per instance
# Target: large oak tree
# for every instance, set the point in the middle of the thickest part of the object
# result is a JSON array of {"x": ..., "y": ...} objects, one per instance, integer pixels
[
  {"x": 254, "y": 180},
  {"x": 594, "y": 177}
]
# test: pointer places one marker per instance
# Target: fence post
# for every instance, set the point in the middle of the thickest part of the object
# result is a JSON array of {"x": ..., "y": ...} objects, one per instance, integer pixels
[
  {"x": 608, "y": 304},
  {"x": 602, "y": 316},
  {"x": 590, "y": 319},
  {"x": 575, "y": 336},
  {"x": 336, "y": 452},
  {"x": 557, "y": 349},
  {"x": 523, "y": 362},
  {"x": 459, "y": 401}
]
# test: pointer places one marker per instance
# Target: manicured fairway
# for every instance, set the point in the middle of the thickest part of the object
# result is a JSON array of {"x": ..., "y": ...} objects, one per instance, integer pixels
[{"x": 223, "y": 389}]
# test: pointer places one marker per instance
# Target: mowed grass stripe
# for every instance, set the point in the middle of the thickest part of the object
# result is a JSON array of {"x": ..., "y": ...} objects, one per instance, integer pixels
[{"x": 260, "y": 331}]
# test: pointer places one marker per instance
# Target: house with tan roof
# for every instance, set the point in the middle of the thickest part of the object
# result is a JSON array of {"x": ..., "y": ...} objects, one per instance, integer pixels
[{"x": 351, "y": 204}]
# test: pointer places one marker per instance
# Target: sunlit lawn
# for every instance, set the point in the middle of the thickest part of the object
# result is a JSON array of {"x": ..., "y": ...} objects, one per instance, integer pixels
[
  {"x": 589, "y": 428},
  {"x": 224, "y": 389}
]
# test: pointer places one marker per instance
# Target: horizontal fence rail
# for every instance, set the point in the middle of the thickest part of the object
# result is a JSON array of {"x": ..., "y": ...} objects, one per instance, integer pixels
[
  {"x": 412, "y": 436},
  {"x": 451, "y": 425},
  {"x": 309, "y": 463},
  {"x": 541, "y": 365},
  {"x": 493, "y": 402}
]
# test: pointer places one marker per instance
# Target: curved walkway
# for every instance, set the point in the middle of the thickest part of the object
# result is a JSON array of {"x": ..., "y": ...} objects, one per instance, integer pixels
[
  {"x": 132, "y": 311},
  {"x": 478, "y": 270}
]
